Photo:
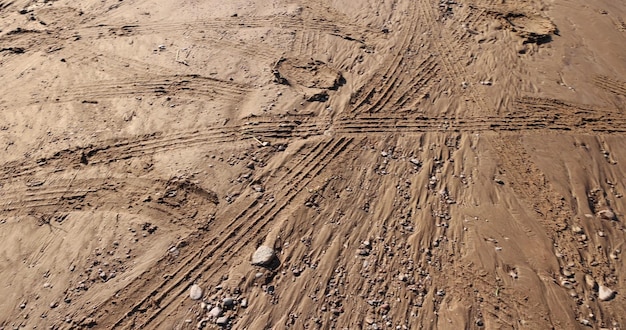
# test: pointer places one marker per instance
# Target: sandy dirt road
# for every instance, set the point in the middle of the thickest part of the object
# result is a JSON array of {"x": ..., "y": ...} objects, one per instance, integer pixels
[{"x": 412, "y": 164}]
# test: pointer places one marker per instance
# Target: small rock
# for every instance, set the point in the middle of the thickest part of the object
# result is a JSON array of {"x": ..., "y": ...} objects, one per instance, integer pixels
[
  {"x": 566, "y": 284},
  {"x": 222, "y": 321},
  {"x": 195, "y": 292},
  {"x": 202, "y": 324},
  {"x": 385, "y": 307},
  {"x": 577, "y": 230},
  {"x": 54, "y": 304},
  {"x": 605, "y": 294},
  {"x": 263, "y": 256},
  {"x": 606, "y": 215},
  {"x": 369, "y": 320},
  {"x": 591, "y": 283},
  {"x": 244, "y": 303},
  {"x": 88, "y": 322},
  {"x": 215, "y": 312}
]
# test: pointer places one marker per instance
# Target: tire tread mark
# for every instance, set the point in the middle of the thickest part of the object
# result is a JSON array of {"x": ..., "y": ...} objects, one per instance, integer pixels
[
  {"x": 612, "y": 85},
  {"x": 313, "y": 162}
]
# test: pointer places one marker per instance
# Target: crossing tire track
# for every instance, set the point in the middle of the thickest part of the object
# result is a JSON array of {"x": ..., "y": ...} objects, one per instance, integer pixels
[
  {"x": 375, "y": 93},
  {"x": 446, "y": 49},
  {"x": 251, "y": 219},
  {"x": 108, "y": 151},
  {"x": 426, "y": 72}
]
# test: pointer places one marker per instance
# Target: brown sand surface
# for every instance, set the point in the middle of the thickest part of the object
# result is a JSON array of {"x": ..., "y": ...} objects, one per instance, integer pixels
[{"x": 413, "y": 164}]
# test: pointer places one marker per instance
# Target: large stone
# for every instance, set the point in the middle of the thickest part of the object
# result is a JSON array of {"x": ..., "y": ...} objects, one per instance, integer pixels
[
  {"x": 195, "y": 292},
  {"x": 606, "y": 215},
  {"x": 263, "y": 256},
  {"x": 605, "y": 294},
  {"x": 215, "y": 311},
  {"x": 222, "y": 321}
]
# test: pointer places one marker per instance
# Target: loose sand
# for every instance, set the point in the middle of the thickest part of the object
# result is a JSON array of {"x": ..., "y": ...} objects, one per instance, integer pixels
[{"x": 412, "y": 164}]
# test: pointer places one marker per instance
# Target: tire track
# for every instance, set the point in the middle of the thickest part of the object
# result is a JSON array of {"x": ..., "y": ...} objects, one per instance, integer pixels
[
  {"x": 611, "y": 85},
  {"x": 244, "y": 49},
  {"x": 120, "y": 65},
  {"x": 307, "y": 43},
  {"x": 89, "y": 194},
  {"x": 536, "y": 114},
  {"x": 532, "y": 105},
  {"x": 218, "y": 23},
  {"x": 158, "y": 85},
  {"x": 465, "y": 27},
  {"x": 109, "y": 151},
  {"x": 389, "y": 76},
  {"x": 296, "y": 184},
  {"x": 404, "y": 92},
  {"x": 163, "y": 295},
  {"x": 446, "y": 49}
]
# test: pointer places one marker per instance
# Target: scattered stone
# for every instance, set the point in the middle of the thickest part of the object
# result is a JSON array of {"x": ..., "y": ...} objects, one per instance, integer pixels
[
  {"x": 566, "y": 284},
  {"x": 606, "y": 215},
  {"x": 202, "y": 324},
  {"x": 577, "y": 230},
  {"x": 229, "y": 302},
  {"x": 88, "y": 322},
  {"x": 263, "y": 256},
  {"x": 591, "y": 283},
  {"x": 195, "y": 292},
  {"x": 215, "y": 312},
  {"x": 605, "y": 294},
  {"x": 222, "y": 321}
]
